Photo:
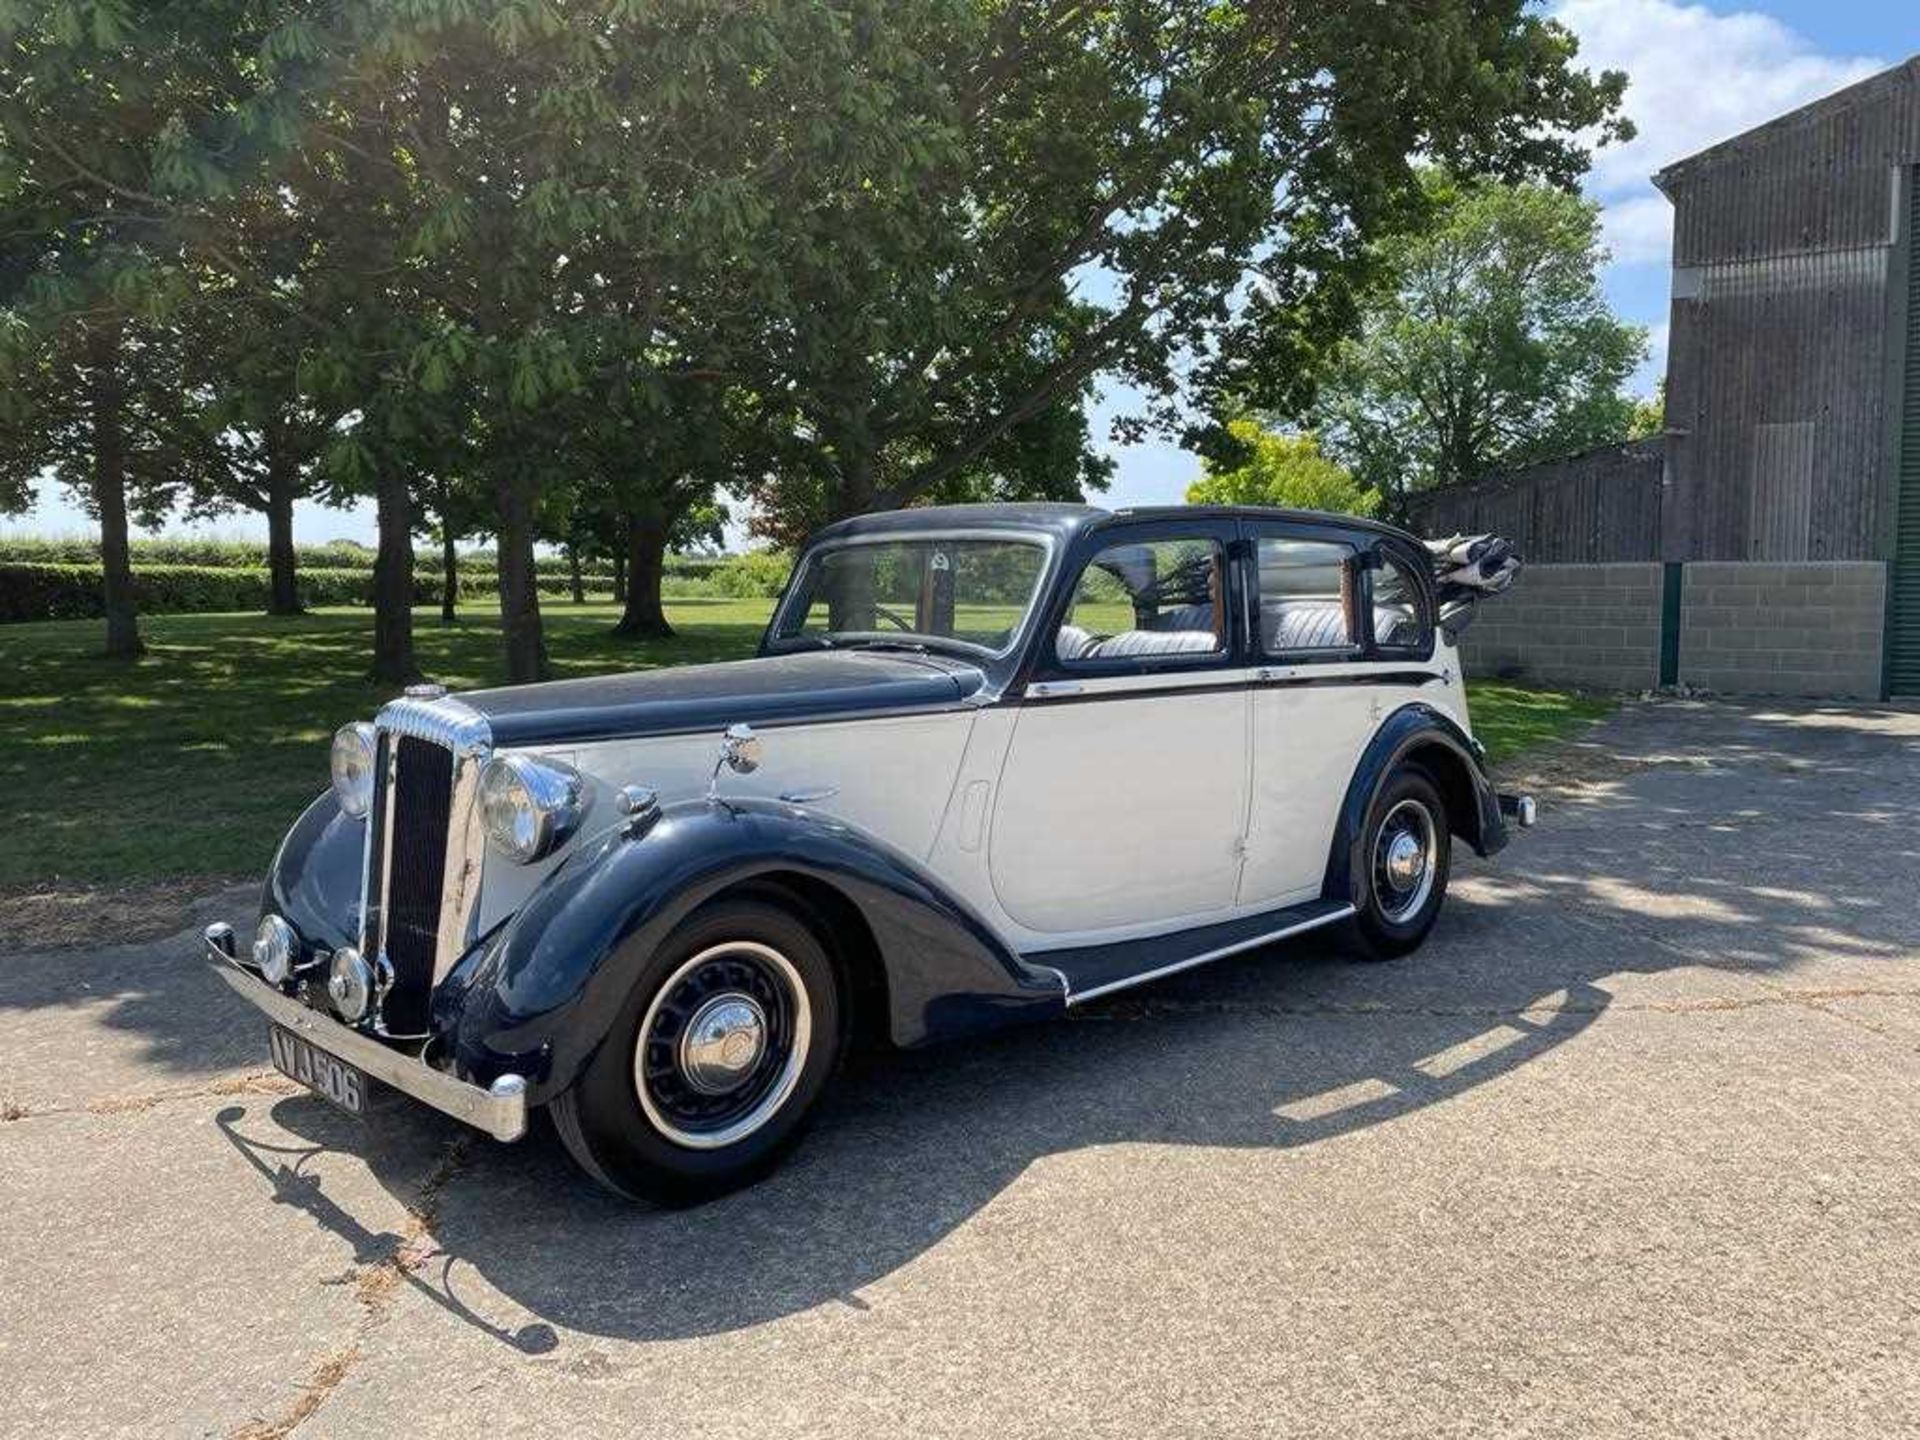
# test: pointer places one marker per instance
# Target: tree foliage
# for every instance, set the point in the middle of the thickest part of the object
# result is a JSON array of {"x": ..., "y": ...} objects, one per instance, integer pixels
[
  {"x": 1288, "y": 471},
  {"x": 1486, "y": 344},
  {"x": 566, "y": 269},
  {"x": 1649, "y": 417}
]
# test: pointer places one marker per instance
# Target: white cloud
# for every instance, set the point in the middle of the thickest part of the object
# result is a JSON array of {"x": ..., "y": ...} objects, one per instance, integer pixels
[
  {"x": 1696, "y": 77},
  {"x": 1638, "y": 228}
]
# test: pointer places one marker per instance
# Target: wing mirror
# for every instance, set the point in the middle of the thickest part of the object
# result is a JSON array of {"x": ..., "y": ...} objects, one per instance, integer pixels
[{"x": 741, "y": 751}]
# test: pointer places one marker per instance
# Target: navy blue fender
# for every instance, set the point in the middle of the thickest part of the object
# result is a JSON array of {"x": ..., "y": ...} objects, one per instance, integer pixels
[
  {"x": 537, "y": 996},
  {"x": 315, "y": 877},
  {"x": 1418, "y": 734}
]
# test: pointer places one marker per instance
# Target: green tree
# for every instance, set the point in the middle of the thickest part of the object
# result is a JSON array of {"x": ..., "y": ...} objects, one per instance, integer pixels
[
  {"x": 1093, "y": 187},
  {"x": 1284, "y": 470},
  {"x": 1487, "y": 344},
  {"x": 107, "y": 114},
  {"x": 261, "y": 438},
  {"x": 1649, "y": 417}
]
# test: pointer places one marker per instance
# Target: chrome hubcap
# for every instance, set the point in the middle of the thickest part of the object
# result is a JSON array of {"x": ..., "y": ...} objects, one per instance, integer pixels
[
  {"x": 1403, "y": 859},
  {"x": 1406, "y": 862},
  {"x": 722, "y": 1043}
]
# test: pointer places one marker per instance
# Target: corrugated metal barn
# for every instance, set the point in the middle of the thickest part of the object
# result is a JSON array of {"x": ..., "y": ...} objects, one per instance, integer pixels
[{"x": 1785, "y": 530}]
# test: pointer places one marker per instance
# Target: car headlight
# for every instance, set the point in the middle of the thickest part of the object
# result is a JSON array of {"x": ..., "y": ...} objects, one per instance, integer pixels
[
  {"x": 530, "y": 808},
  {"x": 353, "y": 762}
]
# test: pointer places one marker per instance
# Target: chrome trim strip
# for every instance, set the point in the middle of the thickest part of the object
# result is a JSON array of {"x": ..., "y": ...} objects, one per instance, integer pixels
[
  {"x": 391, "y": 782},
  {"x": 446, "y": 721},
  {"x": 1315, "y": 923},
  {"x": 501, "y": 1111},
  {"x": 466, "y": 854}
]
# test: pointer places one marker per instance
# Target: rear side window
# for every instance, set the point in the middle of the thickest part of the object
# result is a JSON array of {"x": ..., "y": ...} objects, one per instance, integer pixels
[
  {"x": 1400, "y": 619},
  {"x": 1147, "y": 601},
  {"x": 1307, "y": 601}
]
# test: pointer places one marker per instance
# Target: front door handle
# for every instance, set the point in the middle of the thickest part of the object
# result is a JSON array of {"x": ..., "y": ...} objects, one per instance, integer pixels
[{"x": 1047, "y": 689}]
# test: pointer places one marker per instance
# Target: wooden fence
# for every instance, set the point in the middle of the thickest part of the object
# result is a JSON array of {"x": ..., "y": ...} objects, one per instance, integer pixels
[{"x": 1599, "y": 507}]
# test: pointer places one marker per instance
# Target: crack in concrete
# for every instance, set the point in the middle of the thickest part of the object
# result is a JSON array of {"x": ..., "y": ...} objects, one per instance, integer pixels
[
  {"x": 246, "y": 1082},
  {"x": 374, "y": 1287}
]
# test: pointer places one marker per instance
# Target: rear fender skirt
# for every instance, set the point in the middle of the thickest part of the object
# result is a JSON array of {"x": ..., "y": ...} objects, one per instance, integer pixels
[
  {"x": 1462, "y": 775},
  {"x": 538, "y": 995}
]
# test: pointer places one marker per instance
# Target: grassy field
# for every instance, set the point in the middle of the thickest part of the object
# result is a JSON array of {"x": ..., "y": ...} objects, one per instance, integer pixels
[{"x": 195, "y": 760}]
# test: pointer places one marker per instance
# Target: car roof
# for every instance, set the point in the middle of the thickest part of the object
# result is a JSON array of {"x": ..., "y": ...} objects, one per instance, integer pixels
[{"x": 1068, "y": 520}]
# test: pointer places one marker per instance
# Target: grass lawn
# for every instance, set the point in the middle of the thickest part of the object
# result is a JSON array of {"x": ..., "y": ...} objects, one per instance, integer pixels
[
  {"x": 1510, "y": 718},
  {"x": 195, "y": 760}
]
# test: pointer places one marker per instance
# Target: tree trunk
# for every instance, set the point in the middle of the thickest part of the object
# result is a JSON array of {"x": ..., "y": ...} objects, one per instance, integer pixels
[
  {"x": 393, "y": 658},
  {"x": 643, "y": 616},
  {"x": 282, "y": 567},
  {"x": 110, "y": 495},
  {"x": 519, "y": 584},
  {"x": 620, "y": 576},
  {"x": 449, "y": 576},
  {"x": 573, "y": 575},
  {"x": 858, "y": 479}
]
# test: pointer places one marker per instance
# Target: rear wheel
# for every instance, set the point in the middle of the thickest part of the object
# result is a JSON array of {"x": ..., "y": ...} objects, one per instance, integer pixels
[
  {"x": 719, "y": 1053},
  {"x": 1405, "y": 857}
]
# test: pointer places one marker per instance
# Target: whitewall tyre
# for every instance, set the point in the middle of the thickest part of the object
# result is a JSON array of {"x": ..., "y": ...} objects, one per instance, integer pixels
[
  {"x": 1404, "y": 858},
  {"x": 715, "y": 1060}
]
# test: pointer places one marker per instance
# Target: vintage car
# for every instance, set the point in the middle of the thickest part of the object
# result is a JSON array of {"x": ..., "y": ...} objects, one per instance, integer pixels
[{"x": 990, "y": 762}]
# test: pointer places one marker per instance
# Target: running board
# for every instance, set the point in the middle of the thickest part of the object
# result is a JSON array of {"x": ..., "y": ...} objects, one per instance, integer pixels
[{"x": 1091, "y": 971}]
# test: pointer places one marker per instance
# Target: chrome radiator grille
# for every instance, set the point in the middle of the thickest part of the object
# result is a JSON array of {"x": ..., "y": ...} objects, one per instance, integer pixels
[
  {"x": 422, "y": 797},
  {"x": 422, "y": 867}
]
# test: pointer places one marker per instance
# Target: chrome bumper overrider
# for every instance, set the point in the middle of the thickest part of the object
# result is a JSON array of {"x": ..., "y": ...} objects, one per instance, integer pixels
[
  {"x": 1521, "y": 808},
  {"x": 500, "y": 1110}
]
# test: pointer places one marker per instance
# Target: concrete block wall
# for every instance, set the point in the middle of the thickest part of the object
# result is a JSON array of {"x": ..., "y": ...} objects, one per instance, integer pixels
[
  {"x": 1812, "y": 629},
  {"x": 1596, "y": 627},
  {"x": 1808, "y": 628}
]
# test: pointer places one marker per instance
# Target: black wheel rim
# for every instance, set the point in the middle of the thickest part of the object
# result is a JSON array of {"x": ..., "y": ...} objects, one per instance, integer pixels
[{"x": 722, "y": 1045}]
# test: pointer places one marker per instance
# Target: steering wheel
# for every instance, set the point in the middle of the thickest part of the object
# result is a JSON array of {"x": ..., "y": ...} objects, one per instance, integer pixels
[{"x": 899, "y": 622}]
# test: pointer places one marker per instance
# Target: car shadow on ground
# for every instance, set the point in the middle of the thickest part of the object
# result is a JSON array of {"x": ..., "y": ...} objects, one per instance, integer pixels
[{"x": 909, "y": 1146}]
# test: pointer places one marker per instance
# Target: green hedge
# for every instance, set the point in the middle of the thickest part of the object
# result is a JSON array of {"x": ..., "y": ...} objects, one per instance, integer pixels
[
  {"x": 758, "y": 574},
  {"x": 341, "y": 555},
  {"x": 74, "y": 592}
]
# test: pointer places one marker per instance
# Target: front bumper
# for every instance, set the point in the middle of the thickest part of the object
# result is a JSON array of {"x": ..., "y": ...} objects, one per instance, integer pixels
[{"x": 499, "y": 1109}]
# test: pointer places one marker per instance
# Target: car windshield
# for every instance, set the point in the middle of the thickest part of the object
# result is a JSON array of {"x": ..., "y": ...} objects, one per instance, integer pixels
[{"x": 925, "y": 591}]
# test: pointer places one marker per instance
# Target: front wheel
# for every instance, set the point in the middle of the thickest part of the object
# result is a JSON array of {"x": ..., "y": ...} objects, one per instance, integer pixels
[
  {"x": 1405, "y": 856},
  {"x": 717, "y": 1056}
]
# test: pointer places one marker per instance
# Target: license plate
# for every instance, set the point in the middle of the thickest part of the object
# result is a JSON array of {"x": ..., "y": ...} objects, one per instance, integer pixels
[{"x": 327, "y": 1077}]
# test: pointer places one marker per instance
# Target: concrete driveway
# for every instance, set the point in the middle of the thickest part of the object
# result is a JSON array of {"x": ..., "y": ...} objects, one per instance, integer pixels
[{"x": 1631, "y": 1148}]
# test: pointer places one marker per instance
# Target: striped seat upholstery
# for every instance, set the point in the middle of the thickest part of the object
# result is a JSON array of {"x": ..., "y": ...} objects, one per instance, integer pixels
[
  {"x": 1073, "y": 643},
  {"x": 1303, "y": 625},
  {"x": 1129, "y": 644}
]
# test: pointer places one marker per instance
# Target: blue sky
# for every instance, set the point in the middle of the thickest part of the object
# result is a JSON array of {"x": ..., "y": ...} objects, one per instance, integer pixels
[{"x": 1700, "y": 72}]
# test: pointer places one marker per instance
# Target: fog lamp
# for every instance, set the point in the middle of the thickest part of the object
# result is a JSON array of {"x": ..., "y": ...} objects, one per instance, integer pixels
[
  {"x": 350, "y": 984},
  {"x": 274, "y": 946}
]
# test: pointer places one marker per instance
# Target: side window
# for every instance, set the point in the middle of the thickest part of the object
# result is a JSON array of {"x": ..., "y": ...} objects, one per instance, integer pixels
[
  {"x": 1400, "y": 618},
  {"x": 1306, "y": 597},
  {"x": 1145, "y": 600}
]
